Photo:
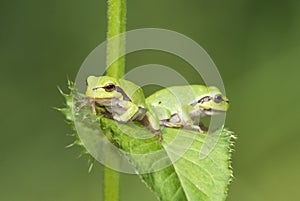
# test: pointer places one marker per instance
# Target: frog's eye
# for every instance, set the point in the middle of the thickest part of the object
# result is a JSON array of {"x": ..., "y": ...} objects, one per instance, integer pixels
[
  {"x": 109, "y": 87},
  {"x": 218, "y": 98}
]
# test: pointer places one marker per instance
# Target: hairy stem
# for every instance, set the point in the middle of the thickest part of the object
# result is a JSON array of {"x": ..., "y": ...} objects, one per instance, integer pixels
[
  {"x": 116, "y": 15},
  {"x": 116, "y": 45}
]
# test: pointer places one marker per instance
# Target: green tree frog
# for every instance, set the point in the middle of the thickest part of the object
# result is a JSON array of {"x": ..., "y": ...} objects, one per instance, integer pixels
[
  {"x": 183, "y": 106},
  {"x": 120, "y": 100}
]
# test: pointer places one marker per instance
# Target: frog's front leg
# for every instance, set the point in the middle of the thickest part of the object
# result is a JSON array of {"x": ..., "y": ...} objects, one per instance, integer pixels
[
  {"x": 173, "y": 122},
  {"x": 129, "y": 112},
  {"x": 196, "y": 116},
  {"x": 186, "y": 121}
]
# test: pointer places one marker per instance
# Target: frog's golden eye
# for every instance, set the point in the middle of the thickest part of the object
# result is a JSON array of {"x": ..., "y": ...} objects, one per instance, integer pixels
[
  {"x": 218, "y": 98},
  {"x": 109, "y": 87}
]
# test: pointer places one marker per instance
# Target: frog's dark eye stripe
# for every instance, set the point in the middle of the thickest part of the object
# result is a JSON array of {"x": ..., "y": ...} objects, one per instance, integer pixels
[
  {"x": 108, "y": 87},
  {"x": 120, "y": 90},
  {"x": 111, "y": 87},
  {"x": 204, "y": 99},
  {"x": 95, "y": 88},
  {"x": 201, "y": 100}
]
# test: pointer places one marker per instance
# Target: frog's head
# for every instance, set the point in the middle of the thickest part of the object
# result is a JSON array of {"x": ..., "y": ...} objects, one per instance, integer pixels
[
  {"x": 213, "y": 102},
  {"x": 103, "y": 87}
]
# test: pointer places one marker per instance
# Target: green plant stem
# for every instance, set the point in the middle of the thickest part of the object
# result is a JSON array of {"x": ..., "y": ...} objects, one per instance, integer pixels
[
  {"x": 116, "y": 15},
  {"x": 111, "y": 181}
]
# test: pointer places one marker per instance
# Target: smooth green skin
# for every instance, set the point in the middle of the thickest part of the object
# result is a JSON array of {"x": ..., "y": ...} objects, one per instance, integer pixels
[
  {"x": 179, "y": 106},
  {"x": 125, "y": 103}
]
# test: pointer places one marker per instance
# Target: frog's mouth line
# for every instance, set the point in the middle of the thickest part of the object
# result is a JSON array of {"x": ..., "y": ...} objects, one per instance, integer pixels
[
  {"x": 105, "y": 101},
  {"x": 211, "y": 111}
]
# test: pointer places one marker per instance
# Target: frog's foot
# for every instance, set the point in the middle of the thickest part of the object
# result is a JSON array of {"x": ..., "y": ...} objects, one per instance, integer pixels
[
  {"x": 191, "y": 127},
  {"x": 158, "y": 135},
  {"x": 200, "y": 128},
  {"x": 90, "y": 102},
  {"x": 84, "y": 101},
  {"x": 167, "y": 123},
  {"x": 78, "y": 108},
  {"x": 155, "y": 130}
]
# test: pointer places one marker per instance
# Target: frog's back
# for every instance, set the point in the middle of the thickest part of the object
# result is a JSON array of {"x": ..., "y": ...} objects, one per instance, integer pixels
[{"x": 174, "y": 97}]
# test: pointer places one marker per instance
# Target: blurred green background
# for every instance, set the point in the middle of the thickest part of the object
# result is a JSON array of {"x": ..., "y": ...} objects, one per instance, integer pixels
[{"x": 254, "y": 43}]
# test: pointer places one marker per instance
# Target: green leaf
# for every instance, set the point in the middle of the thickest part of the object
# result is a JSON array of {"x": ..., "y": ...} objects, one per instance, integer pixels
[
  {"x": 177, "y": 173},
  {"x": 188, "y": 178}
]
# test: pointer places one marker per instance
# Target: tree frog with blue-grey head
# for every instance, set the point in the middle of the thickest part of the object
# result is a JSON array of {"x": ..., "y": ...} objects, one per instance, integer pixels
[
  {"x": 183, "y": 106},
  {"x": 120, "y": 100}
]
